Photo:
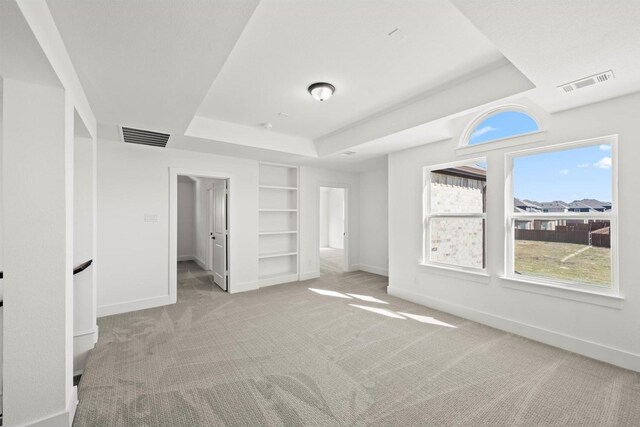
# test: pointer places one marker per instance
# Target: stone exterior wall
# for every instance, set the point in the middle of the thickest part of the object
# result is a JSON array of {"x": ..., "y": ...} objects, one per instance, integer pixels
[{"x": 457, "y": 241}]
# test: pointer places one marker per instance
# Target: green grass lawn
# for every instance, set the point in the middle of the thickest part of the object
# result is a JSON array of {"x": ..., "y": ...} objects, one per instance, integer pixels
[{"x": 544, "y": 259}]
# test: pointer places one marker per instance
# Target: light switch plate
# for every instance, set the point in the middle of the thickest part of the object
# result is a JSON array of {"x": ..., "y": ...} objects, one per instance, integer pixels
[{"x": 150, "y": 218}]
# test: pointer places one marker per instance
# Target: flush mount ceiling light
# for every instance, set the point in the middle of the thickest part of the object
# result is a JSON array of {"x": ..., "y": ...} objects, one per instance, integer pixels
[{"x": 321, "y": 91}]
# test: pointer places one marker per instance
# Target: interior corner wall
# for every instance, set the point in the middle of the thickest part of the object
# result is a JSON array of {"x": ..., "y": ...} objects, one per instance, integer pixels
[
  {"x": 186, "y": 221},
  {"x": 133, "y": 181},
  {"x": 604, "y": 333},
  {"x": 374, "y": 221},
  {"x": 311, "y": 179}
]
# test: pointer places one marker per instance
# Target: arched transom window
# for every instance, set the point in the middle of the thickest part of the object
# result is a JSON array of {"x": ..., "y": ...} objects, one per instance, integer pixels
[{"x": 500, "y": 125}]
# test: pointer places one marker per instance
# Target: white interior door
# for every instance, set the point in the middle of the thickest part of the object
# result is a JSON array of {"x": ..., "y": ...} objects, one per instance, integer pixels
[
  {"x": 219, "y": 237},
  {"x": 210, "y": 228}
]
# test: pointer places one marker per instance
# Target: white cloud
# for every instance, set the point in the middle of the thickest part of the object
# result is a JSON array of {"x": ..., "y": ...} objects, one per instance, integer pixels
[
  {"x": 603, "y": 163},
  {"x": 482, "y": 131},
  {"x": 564, "y": 172},
  {"x": 584, "y": 165},
  {"x": 605, "y": 147}
]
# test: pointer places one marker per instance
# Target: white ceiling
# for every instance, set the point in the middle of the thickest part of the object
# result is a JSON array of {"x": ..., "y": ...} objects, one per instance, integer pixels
[
  {"x": 149, "y": 63},
  {"x": 557, "y": 42},
  {"x": 211, "y": 72},
  {"x": 287, "y": 45},
  {"x": 21, "y": 58}
]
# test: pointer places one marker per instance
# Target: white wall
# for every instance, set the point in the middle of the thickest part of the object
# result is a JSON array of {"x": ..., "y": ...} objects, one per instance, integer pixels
[
  {"x": 1, "y": 250},
  {"x": 134, "y": 254},
  {"x": 336, "y": 218},
  {"x": 324, "y": 217},
  {"x": 311, "y": 179},
  {"x": 606, "y": 333},
  {"x": 85, "y": 331},
  {"x": 374, "y": 221},
  {"x": 37, "y": 180},
  {"x": 331, "y": 217},
  {"x": 186, "y": 220}
]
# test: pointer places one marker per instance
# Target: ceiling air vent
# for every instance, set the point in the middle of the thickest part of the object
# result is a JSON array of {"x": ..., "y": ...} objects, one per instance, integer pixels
[
  {"x": 587, "y": 81},
  {"x": 144, "y": 137}
]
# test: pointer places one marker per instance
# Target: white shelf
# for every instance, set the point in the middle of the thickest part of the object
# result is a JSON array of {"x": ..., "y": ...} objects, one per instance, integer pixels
[
  {"x": 277, "y": 187},
  {"x": 269, "y": 233},
  {"x": 279, "y": 222},
  {"x": 277, "y": 254}
]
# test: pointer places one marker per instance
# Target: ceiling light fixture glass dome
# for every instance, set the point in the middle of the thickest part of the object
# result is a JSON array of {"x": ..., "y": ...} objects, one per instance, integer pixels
[{"x": 321, "y": 91}]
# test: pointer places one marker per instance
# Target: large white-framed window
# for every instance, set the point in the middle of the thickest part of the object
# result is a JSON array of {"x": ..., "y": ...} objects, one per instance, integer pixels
[
  {"x": 561, "y": 215},
  {"x": 454, "y": 220}
]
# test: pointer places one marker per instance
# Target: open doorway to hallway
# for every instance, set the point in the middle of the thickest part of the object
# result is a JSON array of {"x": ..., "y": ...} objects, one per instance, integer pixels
[
  {"x": 332, "y": 238},
  {"x": 202, "y": 232}
]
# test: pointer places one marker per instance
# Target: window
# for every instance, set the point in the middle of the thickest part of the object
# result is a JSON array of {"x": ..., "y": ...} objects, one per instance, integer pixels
[
  {"x": 562, "y": 220},
  {"x": 454, "y": 220},
  {"x": 500, "y": 125}
]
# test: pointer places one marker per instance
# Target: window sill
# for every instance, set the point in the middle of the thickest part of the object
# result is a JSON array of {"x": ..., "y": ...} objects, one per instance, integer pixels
[
  {"x": 499, "y": 144},
  {"x": 474, "y": 276},
  {"x": 559, "y": 291}
]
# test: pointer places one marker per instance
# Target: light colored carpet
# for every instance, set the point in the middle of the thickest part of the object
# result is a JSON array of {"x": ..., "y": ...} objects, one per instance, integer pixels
[
  {"x": 331, "y": 260},
  {"x": 288, "y": 355}
]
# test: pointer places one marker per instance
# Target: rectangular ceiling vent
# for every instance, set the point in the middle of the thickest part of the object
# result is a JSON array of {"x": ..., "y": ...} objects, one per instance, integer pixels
[
  {"x": 587, "y": 81},
  {"x": 144, "y": 137}
]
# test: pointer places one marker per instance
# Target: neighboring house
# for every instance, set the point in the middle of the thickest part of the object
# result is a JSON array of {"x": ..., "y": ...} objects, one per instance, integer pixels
[
  {"x": 596, "y": 205},
  {"x": 459, "y": 189},
  {"x": 555, "y": 206},
  {"x": 526, "y": 206},
  {"x": 589, "y": 205}
]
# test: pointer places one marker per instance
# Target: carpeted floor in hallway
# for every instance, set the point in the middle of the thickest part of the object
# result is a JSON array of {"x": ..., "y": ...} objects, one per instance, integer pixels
[{"x": 334, "y": 351}]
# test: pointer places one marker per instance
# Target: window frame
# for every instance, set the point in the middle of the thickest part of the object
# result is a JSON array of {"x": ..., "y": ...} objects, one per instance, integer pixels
[
  {"x": 471, "y": 127},
  {"x": 511, "y": 217},
  {"x": 427, "y": 216}
]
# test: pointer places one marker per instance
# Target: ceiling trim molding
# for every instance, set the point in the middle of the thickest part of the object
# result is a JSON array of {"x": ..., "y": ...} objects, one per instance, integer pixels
[{"x": 500, "y": 80}]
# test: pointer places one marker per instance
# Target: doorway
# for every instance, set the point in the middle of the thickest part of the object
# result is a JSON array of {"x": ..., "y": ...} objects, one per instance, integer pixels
[
  {"x": 199, "y": 231},
  {"x": 333, "y": 230}
]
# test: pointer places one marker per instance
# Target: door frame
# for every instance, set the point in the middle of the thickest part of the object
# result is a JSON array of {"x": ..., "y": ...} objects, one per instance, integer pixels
[
  {"x": 173, "y": 223},
  {"x": 346, "y": 238}
]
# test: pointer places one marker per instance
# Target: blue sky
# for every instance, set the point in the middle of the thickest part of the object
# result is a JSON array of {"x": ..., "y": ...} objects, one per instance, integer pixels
[
  {"x": 579, "y": 173},
  {"x": 508, "y": 123}
]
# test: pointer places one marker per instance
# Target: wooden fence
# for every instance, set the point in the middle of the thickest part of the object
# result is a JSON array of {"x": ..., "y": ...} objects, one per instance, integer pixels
[{"x": 581, "y": 237}]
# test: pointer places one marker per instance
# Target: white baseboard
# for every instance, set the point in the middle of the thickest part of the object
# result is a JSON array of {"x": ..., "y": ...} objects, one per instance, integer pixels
[
  {"x": 309, "y": 275},
  {"x": 200, "y": 263},
  {"x": 186, "y": 258},
  {"x": 141, "y": 304},
  {"x": 374, "y": 270},
  {"x": 278, "y": 280},
  {"x": 83, "y": 343},
  {"x": 243, "y": 287},
  {"x": 61, "y": 419},
  {"x": 590, "y": 349}
]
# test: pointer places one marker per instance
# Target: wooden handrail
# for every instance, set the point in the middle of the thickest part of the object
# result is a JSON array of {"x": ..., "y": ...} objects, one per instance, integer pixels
[
  {"x": 76, "y": 270},
  {"x": 82, "y": 267}
]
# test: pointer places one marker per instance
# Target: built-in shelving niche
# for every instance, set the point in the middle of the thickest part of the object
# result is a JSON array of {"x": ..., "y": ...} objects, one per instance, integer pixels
[{"x": 278, "y": 224}]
